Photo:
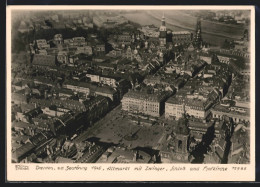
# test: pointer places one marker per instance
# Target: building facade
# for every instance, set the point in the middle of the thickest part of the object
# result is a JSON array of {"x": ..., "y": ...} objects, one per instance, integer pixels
[
  {"x": 144, "y": 103},
  {"x": 176, "y": 107},
  {"x": 181, "y": 37}
]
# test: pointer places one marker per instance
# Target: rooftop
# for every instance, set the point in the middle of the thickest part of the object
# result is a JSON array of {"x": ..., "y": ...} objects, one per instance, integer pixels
[
  {"x": 195, "y": 102},
  {"x": 44, "y": 60},
  {"x": 232, "y": 110},
  {"x": 181, "y": 32},
  {"x": 157, "y": 97}
]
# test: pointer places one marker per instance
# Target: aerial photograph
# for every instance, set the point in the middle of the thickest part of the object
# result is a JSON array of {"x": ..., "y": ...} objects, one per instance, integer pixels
[{"x": 130, "y": 86}]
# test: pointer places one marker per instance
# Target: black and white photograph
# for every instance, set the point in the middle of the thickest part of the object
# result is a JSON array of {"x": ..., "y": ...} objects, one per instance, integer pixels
[{"x": 131, "y": 86}]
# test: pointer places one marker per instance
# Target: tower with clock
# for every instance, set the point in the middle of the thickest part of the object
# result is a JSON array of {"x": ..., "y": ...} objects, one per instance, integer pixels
[{"x": 163, "y": 33}]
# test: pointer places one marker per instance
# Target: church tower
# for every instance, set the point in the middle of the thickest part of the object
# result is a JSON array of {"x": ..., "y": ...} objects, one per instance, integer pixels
[
  {"x": 197, "y": 36},
  {"x": 181, "y": 140},
  {"x": 163, "y": 32}
]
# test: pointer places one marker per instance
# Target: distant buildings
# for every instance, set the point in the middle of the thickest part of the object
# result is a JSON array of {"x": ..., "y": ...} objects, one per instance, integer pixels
[
  {"x": 100, "y": 49},
  {"x": 76, "y": 41},
  {"x": 84, "y": 50},
  {"x": 224, "y": 59},
  {"x": 150, "y": 31},
  {"x": 63, "y": 57},
  {"x": 181, "y": 37},
  {"x": 58, "y": 39},
  {"x": 108, "y": 21},
  {"x": 42, "y": 44},
  {"x": 77, "y": 86},
  {"x": 43, "y": 61}
]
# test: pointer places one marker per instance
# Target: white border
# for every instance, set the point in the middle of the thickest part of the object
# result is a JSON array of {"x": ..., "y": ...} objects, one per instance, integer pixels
[{"x": 90, "y": 175}]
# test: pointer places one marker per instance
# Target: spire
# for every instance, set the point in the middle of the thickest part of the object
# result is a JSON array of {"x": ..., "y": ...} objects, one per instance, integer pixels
[
  {"x": 163, "y": 32},
  {"x": 163, "y": 20},
  {"x": 197, "y": 37}
]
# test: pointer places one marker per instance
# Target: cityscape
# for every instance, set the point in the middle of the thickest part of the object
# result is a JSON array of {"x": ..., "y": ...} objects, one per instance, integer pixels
[{"x": 130, "y": 86}]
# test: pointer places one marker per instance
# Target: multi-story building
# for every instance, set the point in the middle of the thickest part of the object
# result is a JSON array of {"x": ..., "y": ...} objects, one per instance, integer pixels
[
  {"x": 245, "y": 54},
  {"x": 42, "y": 44},
  {"x": 114, "y": 53},
  {"x": 199, "y": 128},
  {"x": 144, "y": 103},
  {"x": 110, "y": 81},
  {"x": 206, "y": 57},
  {"x": 124, "y": 38},
  {"x": 238, "y": 114},
  {"x": 93, "y": 77},
  {"x": 97, "y": 107},
  {"x": 100, "y": 49},
  {"x": 150, "y": 31},
  {"x": 107, "y": 91},
  {"x": 175, "y": 107},
  {"x": 72, "y": 105},
  {"x": 224, "y": 59},
  {"x": 77, "y": 86},
  {"x": 84, "y": 50},
  {"x": 108, "y": 21},
  {"x": 42, "y": 52},
  {"x": 181, "y": 37},
  {"x": 78, "y": 41},
  {"x": 63, "y": 57},
  {"x": 43, "y": 61},
  {"x": 27, "y": 116}
]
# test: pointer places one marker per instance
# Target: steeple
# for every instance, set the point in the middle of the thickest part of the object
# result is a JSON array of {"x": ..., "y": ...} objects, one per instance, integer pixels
[
  {"x": 163, "y": 33},
  {"x": 163, "y": 20},
  {"x": 197, "y": 37}
]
